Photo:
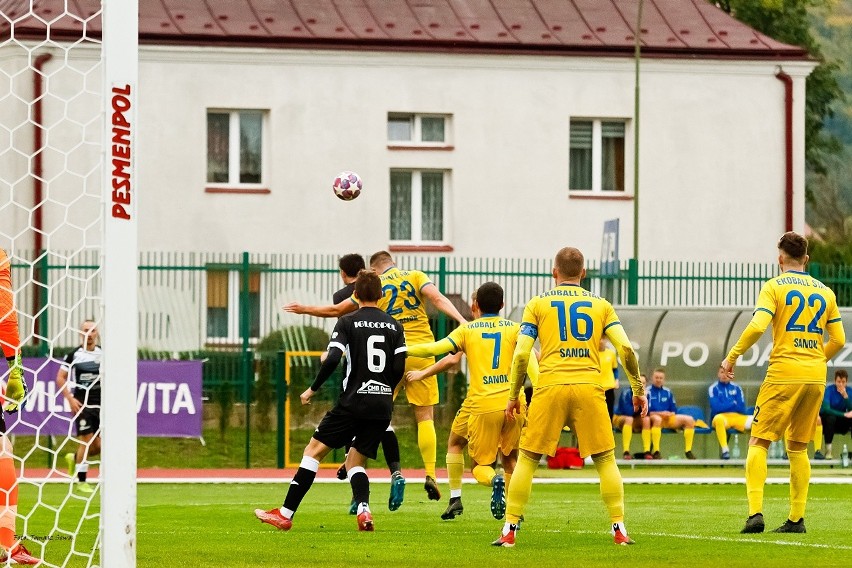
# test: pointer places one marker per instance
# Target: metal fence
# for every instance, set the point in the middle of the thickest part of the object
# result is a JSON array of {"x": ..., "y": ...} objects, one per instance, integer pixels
[
  {"x": 176, "y": 314},
  {"x": 235, "y": 318}
]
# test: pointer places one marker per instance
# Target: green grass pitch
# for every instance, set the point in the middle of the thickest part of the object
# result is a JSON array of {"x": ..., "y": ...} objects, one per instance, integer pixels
[
  {"x": 674, "y": 525},
  {"x": 195, "y": 525}
]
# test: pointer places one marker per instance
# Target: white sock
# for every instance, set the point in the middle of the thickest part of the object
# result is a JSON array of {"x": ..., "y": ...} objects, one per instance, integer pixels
[
  {"x": 619, "y": 527},
  {"x": 363, "y": 507},
  {"x": 455, "y": 493},
  {"x": 286, "y": 513}
]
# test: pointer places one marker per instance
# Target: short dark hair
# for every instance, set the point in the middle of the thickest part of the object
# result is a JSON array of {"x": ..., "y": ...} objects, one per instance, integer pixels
[
  {"x": 841, "y": 373},
  {"x": 569, "y": 262},
  {"x": 368, "y": 286},
  {"x": 381, "y": 256},
  {"x": 351, "y": 264},
  {"x": 793, "y": 245},
  {"x": 489, "y": 296}
]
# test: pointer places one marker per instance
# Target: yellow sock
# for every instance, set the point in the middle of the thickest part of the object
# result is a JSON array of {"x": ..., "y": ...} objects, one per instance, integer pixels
[
  {"x": 656, "y": 437},
  {"x": 688, "y": 437},
  {"x": 818, "y": 438},
  {"x": 507, "y": 477},
  {"x": 455, "y": 470},
  {"x": 755, "y": 474},
  {"x": 518, "y": 494},
  {"x": 427, "y": 441},
  {"x": 612, "y": 488},
  {"x": 800, "y": 477},
  {"x": 720, "y": 425},
  {"x": 646, "y": 440},
  {"x": 483, "y": 474},
  {"x": 626, "y": 437}
]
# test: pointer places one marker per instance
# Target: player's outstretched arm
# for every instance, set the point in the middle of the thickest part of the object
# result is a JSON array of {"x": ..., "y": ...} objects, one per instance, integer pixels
[
  {"x": 330, "y": 311},
  {"x": 431, "y": 349},
  {"x": 442, "y": 302},
  {"x": 443, "y": 365}
]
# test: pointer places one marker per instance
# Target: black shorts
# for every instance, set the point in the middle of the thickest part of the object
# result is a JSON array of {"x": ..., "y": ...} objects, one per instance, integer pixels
[
  {"x": 338, "y": 429},
  {"x": 88, "y": 421},
  {"x": 3, "y": 422}
]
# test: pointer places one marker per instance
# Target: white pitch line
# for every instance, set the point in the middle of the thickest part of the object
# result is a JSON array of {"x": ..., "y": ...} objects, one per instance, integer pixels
[
  {"x": 755, "y": 540},
  {"x": 542, "y": 480}
]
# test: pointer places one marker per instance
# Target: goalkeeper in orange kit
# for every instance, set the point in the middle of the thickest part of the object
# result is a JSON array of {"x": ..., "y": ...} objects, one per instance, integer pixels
[{"x": 15, "y": 392}]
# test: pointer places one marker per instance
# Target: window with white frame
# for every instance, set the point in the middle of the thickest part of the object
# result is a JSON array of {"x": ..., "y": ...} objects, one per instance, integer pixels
[
  {"x": 418, "y": 129},
  {"x": 596, "y": 160},
  {"x": 417, "y": 211},
  {"x": 235, "y": 145}
]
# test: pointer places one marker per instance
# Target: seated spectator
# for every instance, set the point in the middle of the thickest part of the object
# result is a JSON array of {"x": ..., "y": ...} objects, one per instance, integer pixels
[
  {"x": 836, "y": 411},
  {"x": 626, "y": 419},
  {"x": 661, "y": 403},
  {"x": 727, "y": 410}
]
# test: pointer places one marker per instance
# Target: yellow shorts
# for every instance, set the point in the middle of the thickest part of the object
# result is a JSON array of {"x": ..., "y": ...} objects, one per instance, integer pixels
[
  {"x": 488, "y": 433},
  {"x": 581, "y": 407},
  {"x": 419, "y": 393},
  {"x": 732, "y": 420},
  {"x": 618, "y": 421},
  {"x": 669, "y": 422},
  {"x": 787, "y": 410}
]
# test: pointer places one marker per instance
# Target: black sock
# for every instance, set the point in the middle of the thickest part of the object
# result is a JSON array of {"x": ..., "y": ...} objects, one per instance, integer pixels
[
  {"x": 299, "y": 487},
  {"x": 360, "y": 486},
  {"x": 390, "y": 446},
  {"x": 81, "y": 476}
]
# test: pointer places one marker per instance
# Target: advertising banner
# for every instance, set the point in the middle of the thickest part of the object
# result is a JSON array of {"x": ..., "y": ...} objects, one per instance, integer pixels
[{"x": 168, "y": 400}]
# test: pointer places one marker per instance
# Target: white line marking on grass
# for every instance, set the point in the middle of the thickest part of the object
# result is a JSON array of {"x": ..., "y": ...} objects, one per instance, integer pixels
[
  {"x": 730, "y": 539},
  {"x": 541, "y": 480}
]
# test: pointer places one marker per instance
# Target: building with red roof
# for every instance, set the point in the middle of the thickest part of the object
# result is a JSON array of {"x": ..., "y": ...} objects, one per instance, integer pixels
[{"x": 480, "y": 127}]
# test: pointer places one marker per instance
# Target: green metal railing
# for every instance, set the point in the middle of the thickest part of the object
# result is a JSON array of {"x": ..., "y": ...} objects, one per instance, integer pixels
[{"x": 55, "y": 292}]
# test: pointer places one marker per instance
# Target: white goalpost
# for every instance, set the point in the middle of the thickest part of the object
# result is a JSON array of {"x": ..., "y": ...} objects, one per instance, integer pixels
[
  {"x": 120, "y": 257},
  {"x": 68, "y": 222}
]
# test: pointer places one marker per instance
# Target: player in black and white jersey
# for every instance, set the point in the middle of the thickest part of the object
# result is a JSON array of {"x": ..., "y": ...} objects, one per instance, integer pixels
[
  {"x": 350, "y": 265},
  {"x": 83, "y": 365},
  {"x": 374, "y": 346}
]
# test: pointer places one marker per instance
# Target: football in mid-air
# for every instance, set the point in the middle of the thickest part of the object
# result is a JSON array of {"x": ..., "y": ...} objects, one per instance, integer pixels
[{"x": 347, "y": 185}]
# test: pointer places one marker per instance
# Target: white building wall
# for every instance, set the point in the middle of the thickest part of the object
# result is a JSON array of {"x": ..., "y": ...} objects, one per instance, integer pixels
[{"x": 711, "y": 166}]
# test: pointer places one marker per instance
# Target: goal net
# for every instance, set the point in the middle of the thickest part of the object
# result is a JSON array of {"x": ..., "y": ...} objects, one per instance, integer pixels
[{"x": 68, "y": 78}]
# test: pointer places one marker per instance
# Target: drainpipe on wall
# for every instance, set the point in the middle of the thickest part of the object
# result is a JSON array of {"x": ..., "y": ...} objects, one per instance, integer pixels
[
  {"x": 788, "y": 147},
  {"x": 39, "y": 274}
]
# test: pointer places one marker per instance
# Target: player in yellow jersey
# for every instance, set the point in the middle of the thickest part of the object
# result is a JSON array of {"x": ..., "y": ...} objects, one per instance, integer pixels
[
  {"x": 480, "y": 423},
  {"x": 569, "y": 322},
  {"x": 609, "y": 375},
  {"x": 800, "y": 309},
  {"x": 403, "y": 295}
]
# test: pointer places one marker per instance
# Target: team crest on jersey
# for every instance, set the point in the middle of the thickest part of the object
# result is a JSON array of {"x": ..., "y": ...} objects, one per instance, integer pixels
[{"x": 375, "y": 387}]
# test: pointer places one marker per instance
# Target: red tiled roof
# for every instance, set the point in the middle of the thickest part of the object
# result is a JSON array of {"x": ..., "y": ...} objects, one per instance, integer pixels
[{"x": 669, "y": 27}]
